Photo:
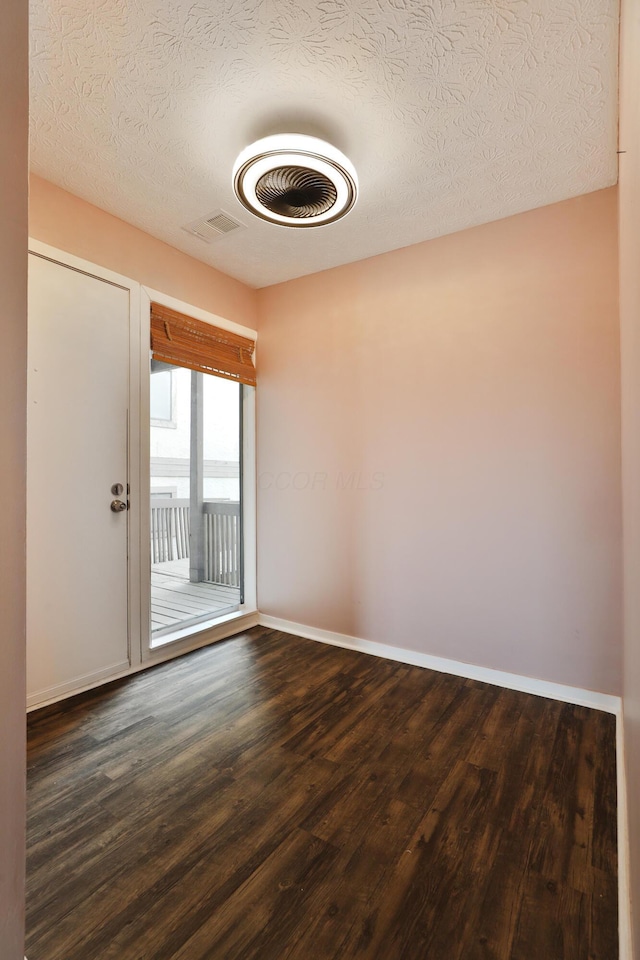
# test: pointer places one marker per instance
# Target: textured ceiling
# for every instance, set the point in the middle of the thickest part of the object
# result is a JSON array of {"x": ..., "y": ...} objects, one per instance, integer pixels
[{"x": 455, "y": 112}]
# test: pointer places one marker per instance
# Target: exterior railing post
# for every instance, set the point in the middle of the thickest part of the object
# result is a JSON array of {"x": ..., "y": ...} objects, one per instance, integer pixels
[{"x": 196, "y": 490}]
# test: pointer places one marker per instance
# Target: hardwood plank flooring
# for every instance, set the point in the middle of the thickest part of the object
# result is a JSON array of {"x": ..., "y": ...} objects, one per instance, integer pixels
[{"x": 270, "y": 797}]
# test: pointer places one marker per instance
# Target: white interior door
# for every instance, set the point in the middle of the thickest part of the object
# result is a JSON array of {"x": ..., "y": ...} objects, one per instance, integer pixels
[{"x": 77, "y": 618}]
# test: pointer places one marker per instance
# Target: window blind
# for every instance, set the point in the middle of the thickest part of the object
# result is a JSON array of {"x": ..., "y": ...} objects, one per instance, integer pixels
[{"x": 186, "y": 342}]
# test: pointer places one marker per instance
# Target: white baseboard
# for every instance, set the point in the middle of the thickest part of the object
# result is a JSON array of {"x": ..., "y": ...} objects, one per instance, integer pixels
[
  {"x": 512, "y": 681},
  {"x": 624, "y": 885},
  {"x": 203, "y": 638},
  {"x": 60, "y": 691},
  {"x": 201, "y": 635}
]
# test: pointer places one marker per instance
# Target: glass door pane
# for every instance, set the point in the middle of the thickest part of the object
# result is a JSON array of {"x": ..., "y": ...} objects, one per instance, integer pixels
[{"x": 196, "y": 531}]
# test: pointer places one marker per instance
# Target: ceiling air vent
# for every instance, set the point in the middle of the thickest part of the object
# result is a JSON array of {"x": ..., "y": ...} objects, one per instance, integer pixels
[{"x": 216, "y": 225}]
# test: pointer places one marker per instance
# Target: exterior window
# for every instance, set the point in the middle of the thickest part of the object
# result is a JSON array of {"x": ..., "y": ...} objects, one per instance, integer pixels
[
  {"x": 161, "y": 399},
  {"x": 163, "y": 493}
]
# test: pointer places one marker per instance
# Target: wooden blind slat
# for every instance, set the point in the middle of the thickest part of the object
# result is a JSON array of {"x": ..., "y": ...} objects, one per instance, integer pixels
[{"x": 186, "y": 342}]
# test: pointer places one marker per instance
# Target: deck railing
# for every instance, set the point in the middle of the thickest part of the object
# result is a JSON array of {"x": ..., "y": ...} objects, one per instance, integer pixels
[
  {"x": 170, "y": 524},
  {"x": 222, "y": 542},
  {"x": 169, "y": 530}
]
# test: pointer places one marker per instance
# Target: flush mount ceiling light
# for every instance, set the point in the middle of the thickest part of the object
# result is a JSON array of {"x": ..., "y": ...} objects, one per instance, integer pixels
[{"x": 295, "y": 180}]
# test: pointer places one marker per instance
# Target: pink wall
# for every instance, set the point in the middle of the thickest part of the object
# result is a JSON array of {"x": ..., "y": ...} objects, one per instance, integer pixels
[
  {"x": 13, "y": 404},
  {"x": 439, "y": 447},
  {"x": 69, "y": 223},
  {"x": 630, "y": 351}
]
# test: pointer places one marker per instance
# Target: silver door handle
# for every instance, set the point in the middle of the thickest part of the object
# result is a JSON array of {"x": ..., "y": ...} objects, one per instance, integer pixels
[{"x": 118, "y": 506}]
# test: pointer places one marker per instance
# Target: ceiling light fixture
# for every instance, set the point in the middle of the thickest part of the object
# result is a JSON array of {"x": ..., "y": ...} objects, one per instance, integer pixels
[{"x": 295, "y": 180}]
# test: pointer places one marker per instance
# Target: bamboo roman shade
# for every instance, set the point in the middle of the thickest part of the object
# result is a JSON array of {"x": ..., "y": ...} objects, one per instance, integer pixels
[{"x": 185, "y": 342}]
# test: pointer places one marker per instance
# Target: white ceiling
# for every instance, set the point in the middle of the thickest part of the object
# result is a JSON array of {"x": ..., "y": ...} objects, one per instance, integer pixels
[{"x": 455, "y": 112}]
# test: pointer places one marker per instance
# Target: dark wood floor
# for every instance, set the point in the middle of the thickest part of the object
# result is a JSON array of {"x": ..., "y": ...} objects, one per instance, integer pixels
[{"x": 270, "y": 797}]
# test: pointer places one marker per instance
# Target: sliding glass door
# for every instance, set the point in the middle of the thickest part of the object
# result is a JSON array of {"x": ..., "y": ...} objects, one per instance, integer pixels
[{"x": 196, "y": 498}]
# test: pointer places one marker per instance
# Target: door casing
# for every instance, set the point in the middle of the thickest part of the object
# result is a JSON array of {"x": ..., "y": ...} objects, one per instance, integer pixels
[
  {"x": 228, "y": 624},
  {"x": 141, "y": 654}
]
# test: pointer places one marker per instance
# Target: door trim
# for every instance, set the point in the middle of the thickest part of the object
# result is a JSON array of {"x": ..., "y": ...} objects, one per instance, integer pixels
[
  {"x": 249, "y": 607},
  {"x": 139, "y": 578}
]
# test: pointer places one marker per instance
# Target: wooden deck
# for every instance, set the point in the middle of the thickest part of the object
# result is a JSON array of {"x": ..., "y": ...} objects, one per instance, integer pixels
[{"x": 174, "y": 600}]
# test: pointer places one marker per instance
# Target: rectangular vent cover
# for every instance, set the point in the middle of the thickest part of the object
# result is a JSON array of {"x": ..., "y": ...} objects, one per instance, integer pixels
[{"x": 217, "y": 224}]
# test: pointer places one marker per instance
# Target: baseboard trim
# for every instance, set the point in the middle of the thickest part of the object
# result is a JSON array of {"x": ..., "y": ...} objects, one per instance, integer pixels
[
  {"x": 624, "y": 885},
  {"x": 541, "y": 688},
  {"x": 203, "y": 638},
  {"x": 62, "y": 690},
  {"x": 512, "y": 681},
  {"x": 201, "y": 635}
]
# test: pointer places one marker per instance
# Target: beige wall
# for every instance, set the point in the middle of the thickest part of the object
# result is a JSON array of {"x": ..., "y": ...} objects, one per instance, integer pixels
[
  {"x": 13, "y": 320},
  {"x": 439, "y": 447},
  {"x": 630, "y": 343},
  {"x": 69, "y": 223}
]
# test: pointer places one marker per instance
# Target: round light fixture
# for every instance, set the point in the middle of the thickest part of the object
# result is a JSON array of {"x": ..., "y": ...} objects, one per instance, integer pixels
[{"x": 295, "y": 180}]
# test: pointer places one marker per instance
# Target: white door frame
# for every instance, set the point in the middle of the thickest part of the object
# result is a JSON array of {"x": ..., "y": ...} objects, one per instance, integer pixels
[
  {"x": 218, "y": 627},
  {"x": 48, "y": 252},
  {"x": 139, "y": 586}
]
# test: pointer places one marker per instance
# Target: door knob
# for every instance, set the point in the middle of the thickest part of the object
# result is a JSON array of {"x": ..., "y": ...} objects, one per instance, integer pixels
[{"x": 118, "y": 506}]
